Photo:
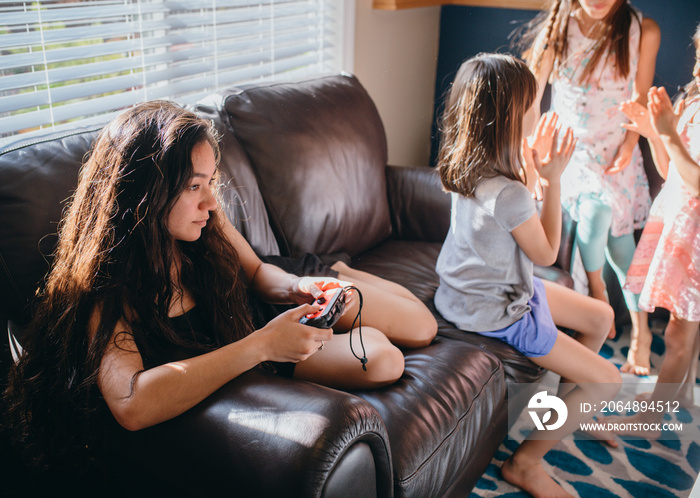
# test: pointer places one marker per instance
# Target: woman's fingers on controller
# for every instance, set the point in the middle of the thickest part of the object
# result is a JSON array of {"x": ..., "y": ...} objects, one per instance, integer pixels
[
  {"x": 300, "y": 311},
  {"x": 309, "y": 285}
]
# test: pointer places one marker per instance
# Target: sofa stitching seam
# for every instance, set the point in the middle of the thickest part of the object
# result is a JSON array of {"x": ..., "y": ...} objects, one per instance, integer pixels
[{"x": 459, "y": 422}]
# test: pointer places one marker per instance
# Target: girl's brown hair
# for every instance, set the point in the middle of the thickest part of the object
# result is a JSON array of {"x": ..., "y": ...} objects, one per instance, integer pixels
[
  {"x": 550, "y": 30},
  {"x": 691, "y": 89},
  {"x": 481, "y": 126},
  {"x": 114, "y": 261}
]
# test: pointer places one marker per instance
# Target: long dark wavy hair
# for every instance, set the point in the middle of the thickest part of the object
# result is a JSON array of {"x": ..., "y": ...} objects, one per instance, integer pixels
[
  {"x": 481, "y": 126},
  {"x": 113, "y": 262},
  {"x": 550, "y": 29}
]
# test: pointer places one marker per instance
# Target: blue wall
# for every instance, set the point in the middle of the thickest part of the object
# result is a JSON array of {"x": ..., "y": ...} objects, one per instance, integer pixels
[{"x": 466, "y": 31}]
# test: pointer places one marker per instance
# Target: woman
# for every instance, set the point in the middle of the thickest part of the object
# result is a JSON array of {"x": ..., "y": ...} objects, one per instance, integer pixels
[{"x": 146, "y": 309}]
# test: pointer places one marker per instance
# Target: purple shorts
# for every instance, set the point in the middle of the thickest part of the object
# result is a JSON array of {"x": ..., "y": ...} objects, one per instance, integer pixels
[{"x": 535, "y": 333}]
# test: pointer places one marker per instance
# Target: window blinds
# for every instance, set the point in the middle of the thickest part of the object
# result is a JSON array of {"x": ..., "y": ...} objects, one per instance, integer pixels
[{"x": 67, "y": 63}]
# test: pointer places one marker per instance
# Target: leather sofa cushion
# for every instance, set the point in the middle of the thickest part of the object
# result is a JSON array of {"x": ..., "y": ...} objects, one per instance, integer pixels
[
  {"x": 36, "y": 178},
  {"x": 412, "y": 264},
  {"x": 436, "y": 413},
  {"x": 319, "y": 150}
]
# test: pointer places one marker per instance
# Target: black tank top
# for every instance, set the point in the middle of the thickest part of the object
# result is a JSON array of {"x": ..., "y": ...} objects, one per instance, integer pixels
[{"x": 194, "y": 328}]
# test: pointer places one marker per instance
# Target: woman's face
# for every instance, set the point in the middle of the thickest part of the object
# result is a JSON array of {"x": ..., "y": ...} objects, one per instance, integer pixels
[
  {"x": 191, "y": 211},
  {"x": 597, "y": 9}
]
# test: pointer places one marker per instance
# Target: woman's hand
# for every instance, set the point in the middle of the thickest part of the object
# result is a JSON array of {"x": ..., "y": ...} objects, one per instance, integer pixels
[
  {"x": 307, "y": 289},
  {"x": 287, "y": 340}
]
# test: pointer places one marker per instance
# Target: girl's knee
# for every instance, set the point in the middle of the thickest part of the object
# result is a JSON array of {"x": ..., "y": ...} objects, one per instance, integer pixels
[
  {"x": 605, "y": 317},
  {"x": 385, "y": 362},
  {"x": 386, "y": 367},
  {"x": 606, "y": 376},
  {"x": 614, "y": 375},
  {"x": 679, "y": 336},
  {"x": 424, "y": 327},
  {"x": 340, "y": 267},
  {"x": 595, "y": 214},
  {"x": 600, "y": 318}
]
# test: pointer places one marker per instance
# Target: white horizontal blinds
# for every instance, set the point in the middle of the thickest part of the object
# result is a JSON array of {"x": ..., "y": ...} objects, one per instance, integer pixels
[{"x": 74, "y": 62}]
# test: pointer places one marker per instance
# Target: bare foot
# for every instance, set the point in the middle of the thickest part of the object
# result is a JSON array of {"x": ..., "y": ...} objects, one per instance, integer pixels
[
  {"x": 638, "y": 362},
  {"x": 638, "y": 357},
  {"x": 685, "y": 398},
  {"x": 533, "y": 479},
  {"x": 606, "y": 437},
  {"x": 635, "y": 425}
]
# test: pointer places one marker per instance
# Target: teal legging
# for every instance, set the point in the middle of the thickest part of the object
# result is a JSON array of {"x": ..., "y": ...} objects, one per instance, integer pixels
[{"x": 596, "y": 244}]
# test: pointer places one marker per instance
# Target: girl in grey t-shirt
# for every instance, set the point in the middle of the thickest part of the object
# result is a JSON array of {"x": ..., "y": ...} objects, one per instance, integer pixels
[{"x": 486, "y": 263}]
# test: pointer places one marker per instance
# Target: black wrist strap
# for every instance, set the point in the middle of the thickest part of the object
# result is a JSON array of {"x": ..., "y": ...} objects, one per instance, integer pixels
[{"x": 358, "y": 320}]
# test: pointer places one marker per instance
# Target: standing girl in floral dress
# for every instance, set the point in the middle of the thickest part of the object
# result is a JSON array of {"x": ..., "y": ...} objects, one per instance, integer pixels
[
  {"x": 598, "y": 54},
  {"x": 666, "y": 265}
]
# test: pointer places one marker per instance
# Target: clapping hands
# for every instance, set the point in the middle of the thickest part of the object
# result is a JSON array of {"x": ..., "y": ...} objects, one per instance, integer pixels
[
  {"x": 657, "y": 118},
  {"x": 546, "y": 155}
]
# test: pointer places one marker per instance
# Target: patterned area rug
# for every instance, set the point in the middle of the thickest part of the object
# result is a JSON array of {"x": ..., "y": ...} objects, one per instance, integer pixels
[{"x": 667, "y": 467}]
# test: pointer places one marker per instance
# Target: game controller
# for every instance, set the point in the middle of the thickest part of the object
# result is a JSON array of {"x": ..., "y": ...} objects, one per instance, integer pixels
[{"x": 332, "y": 303}]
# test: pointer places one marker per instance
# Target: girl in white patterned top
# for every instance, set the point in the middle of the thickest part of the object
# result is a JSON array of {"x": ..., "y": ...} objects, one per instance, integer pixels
[{"x": 598, "y": 54}]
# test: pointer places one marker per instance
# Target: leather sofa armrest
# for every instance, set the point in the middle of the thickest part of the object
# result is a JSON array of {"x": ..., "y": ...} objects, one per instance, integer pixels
[
  {"x": 265, "y": 435},
  {"x": 420, "y": 209}
]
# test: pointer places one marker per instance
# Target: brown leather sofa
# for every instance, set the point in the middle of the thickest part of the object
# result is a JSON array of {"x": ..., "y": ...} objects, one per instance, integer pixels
[{"x": 306, "y": 164}]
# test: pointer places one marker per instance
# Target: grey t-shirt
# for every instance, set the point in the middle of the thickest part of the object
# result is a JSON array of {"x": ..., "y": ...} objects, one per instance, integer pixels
[{"x": 485, "y": 278}]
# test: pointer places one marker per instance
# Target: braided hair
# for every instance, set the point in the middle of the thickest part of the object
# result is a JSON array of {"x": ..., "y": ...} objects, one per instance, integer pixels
[{"x": 548, "y": 33}]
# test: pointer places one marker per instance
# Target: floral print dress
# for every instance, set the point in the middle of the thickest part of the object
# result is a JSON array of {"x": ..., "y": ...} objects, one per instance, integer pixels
[
  {"x": 592, "y": 111},
  {"x": 666, "y": 264}
]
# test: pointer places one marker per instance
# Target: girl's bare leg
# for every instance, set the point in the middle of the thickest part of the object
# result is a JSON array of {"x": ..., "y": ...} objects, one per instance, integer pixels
[
  {"x": 598, "y": 380},
  {"x": 687, "y": 394},
  {"x": 388, "y": 307},
  {"x": 591, "y": 318},
  {"x": 680, "y": 338},
  {"x": 598, "y": 290},
  {"x": 336, "y": 366},
  {"x": 639, "y": 355}
]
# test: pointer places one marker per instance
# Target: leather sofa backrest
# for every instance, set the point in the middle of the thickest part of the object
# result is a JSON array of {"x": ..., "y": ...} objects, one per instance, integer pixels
[
  {"x": 243, "y": 202},
  {"x": 319, "y": 151},
  {"x": 36, "y": 178}
]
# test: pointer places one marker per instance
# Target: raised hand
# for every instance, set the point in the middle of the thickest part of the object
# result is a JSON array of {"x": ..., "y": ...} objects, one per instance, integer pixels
[
  {"x": 639, "y": 117},
  {"x": 551, "y": 167},
  {"x": 541, "y": 140},
  {"x": 661, "y": 114}
]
